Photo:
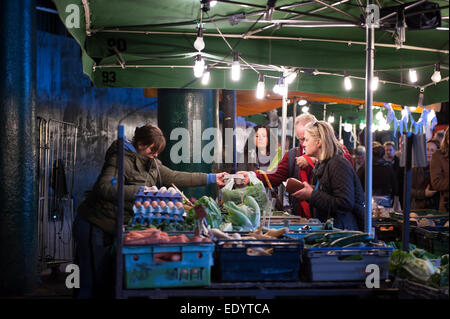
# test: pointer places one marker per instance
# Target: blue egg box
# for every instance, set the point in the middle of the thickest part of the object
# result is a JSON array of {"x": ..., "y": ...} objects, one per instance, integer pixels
[
  {"x": 158, "y": 209},
  {"x": 158, "y": 217}
]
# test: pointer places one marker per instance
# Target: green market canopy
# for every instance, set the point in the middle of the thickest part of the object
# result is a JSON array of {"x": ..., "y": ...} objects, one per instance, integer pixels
[{"x": 150, "y": 44}]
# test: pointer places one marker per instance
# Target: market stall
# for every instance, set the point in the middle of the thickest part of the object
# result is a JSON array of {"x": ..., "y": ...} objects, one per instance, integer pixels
[{"x": 290, "y": 53}]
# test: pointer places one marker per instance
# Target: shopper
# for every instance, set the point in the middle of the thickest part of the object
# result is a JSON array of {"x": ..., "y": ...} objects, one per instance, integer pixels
[
  {"x": 360, "y": 157},
  {"x": 389, "y": 151},
  {"x": 297, "y": 164},
  {"x": 260, "y": 151},
  {"x": 384, "y": 181},
  {"x": 335, "y": 191},
  {"x": 94, "y": 225},
  {"x": 422, "y": 195},
  {"x": 439, "y": 172}
]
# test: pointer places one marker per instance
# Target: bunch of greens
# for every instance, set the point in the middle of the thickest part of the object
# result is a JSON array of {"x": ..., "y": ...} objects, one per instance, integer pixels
[
  {"x": 416, "y": 266},
  {"x": 245, "y": 216},
  {"x": 214, "y": 216}
]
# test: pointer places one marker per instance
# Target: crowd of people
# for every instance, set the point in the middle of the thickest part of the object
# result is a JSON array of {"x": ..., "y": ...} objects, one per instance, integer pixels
[{"x": 334, "y": 187}]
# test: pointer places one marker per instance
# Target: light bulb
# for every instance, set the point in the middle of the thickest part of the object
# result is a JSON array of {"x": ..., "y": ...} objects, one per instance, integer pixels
[
  {"x": 276, "y": 89},
  {"x": 235, "y": 67},
  {"x": 260, "y": 87},
  {"x": 412, "y": 75},
  {"x": 347, "y": 83},
  {"x": 436, "y": 77},
  {"x": 331, "y": 118},
  {"x": 374, "y": 85},
  {"x": 199, "y": 66},
  {"x": 386, "y": 127},
  {"x": 291, "y": 77},
  {"x": 206, "y": 76},
  {"x": 199, "y": 44},
  {"x": 347, "y": 127},
  {"x": 212, "y": 3},
  {"x": 305, "y": 109},
  {"x": 374, "y": 128},
  {"x": 379, "y": 116},
  {"x": 302, "y": 102},
  {"x": 362, "y": 126}
]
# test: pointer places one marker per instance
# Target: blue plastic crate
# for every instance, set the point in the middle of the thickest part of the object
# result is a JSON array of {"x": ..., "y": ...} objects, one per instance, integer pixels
[
  {"x": 344, "y": 264},
  {"x": 142, "y": 271},
  {"x": 233, "y": 261},
  {"x": 300, "y": 234}
]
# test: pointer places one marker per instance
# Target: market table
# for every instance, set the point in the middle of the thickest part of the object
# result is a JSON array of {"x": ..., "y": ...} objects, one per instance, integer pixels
[{"x": 268, "y": 290}]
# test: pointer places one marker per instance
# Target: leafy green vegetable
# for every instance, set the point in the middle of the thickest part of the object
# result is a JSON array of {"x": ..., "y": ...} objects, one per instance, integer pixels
[
  {"x": 214, "y": 215},
  {"x": 237, "y": 216},
  {"x": 444, "y": 260}
]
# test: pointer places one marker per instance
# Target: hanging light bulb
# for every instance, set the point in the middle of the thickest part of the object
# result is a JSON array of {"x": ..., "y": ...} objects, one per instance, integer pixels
[
  {"x": 305, "y": 109},
  {"x": 347, "y": 83},
  {"x": 374, "y": 85},
  {"x": 212, "y": 3},
  {"x": 260, "y": 87},
  {"x": 199, "y": 66},
  {"x": 347, "y": 127},
  {"x": 199, "y": 44},
  {"x": 291, "y": 77},
  {"x": 387, "y": 127},
  {"x": 436, "y": 77},
  {"x": 331, "y": 118},
  {"x": 206, "y": 76},
  {"x": 362, "y": 126},
  {"x": 412, "y": 75},
  {"x": 379, "y": 115},
  {"x": 302, "y": 102},
  {"x": 235, "y": 67}
]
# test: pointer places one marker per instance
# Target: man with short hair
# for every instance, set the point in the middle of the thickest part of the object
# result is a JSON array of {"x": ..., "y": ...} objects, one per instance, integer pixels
[{"x": 389, "y": 151}]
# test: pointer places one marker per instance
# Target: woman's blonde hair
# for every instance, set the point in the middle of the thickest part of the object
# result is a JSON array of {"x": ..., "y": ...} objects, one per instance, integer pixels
[
  {"x": 444, "y": 144},
  {"x": 324, "y": 131}
]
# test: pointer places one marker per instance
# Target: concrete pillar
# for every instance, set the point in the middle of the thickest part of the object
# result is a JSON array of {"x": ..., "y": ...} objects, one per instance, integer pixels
[{"x": 18, "y": 213}]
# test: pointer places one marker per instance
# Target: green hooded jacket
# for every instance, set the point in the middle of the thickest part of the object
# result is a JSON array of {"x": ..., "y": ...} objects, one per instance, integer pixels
[{"x": 100, "y": 205}]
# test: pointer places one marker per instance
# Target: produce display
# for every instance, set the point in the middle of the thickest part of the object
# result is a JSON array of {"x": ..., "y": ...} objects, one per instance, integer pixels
[
  {"x": 342, "y": 239},
  {"x": 155, "y": 236},
  {"x": 416, "y": 266}
]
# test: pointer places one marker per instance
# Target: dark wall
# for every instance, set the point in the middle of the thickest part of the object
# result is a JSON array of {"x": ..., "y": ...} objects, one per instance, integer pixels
[{"x": 64, "y": 93}]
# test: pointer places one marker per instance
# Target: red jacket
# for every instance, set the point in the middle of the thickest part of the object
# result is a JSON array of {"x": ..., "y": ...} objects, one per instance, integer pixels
[{"x": 281, "y": 174}]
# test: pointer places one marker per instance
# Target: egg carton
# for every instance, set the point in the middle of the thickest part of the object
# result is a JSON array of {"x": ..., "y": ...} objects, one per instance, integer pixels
[
  {"x": 154, "y": 194},
  {"x": 157, "y": 218}
]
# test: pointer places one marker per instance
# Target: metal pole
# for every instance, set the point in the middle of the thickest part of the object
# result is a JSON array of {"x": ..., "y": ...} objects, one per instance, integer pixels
[
  {"x": 355, "y": 138},
  {"x": 119, "y": 218},
  {"x": 409, "y": 139},
  {"x": 283, "y": 118},
  {"x": 368, "y": 137},
  {"x": 294, "y": 115},
  {"x": 340, "y": 128}
]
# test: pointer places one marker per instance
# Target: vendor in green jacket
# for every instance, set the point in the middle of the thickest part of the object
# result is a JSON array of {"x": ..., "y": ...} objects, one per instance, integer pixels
[{"x": 94, "y": 225}]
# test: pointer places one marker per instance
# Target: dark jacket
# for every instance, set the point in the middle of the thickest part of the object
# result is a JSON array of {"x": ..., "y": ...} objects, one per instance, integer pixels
[
  {"x": 439, "y": 177},
  {"x": 100, "y": 205},
  {"x": 339, "y": 194},
  {"x": 384, "y": 180},
  {"x": 420, "y": 181}
]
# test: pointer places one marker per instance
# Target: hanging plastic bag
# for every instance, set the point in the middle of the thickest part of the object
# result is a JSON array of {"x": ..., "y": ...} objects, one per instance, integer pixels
[{"x": 419, "y": 151}]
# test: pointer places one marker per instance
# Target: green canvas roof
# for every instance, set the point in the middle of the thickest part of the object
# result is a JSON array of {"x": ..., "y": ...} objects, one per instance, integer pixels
[{"x": 149, "y": 44}]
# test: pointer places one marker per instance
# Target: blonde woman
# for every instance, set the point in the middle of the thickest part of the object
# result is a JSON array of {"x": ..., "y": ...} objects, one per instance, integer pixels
[
  {"x": 439, "y": 172},
  {"x": 335, "y": 191}
]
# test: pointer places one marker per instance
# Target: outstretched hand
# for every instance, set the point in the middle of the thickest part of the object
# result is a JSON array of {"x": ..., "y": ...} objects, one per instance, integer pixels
[
  {"x": 304, "y": 193},
  {"x": 219, "y": 179},
  {"x": 246, "y": 178}
]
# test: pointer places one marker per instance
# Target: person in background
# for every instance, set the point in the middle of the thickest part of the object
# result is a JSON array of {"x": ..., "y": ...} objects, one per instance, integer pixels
[
  {"x": 439, "y": 172},
  {"x": 360, "y": 157},
  {"x": 296, "y": 164},
  {"x": 422, "y": 196},
  {"x": 263, "y": 155},
  {"x": 384, "y": 182},
  {"x": 399, "y": 171},
  {"x": 439, "y": 136},
  {"x": 335, "y": 191},
  {"x": 95, "y": 223},
  {"x": 389, "y": 151}
]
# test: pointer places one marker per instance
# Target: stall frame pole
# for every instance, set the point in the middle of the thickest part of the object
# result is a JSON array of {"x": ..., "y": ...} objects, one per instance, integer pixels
[
  {"x": 119, "y": 217},
  {"x": 368, "y": 136},
  {"x": 409, "y": 140}
]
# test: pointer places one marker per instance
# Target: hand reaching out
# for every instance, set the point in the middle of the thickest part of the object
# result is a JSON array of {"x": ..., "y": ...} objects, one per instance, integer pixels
[
  {"x": 219, "y": 179},
  {"x": 246, "y": 178}
]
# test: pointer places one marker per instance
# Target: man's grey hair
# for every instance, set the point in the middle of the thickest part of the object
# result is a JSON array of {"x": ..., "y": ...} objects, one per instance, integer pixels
[{"x": 305, "y": 118}]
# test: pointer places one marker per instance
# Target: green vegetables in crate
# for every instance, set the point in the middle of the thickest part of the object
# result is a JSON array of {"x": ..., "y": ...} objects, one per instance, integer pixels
[
  {"x": 214, "y": 217},
  {"x": 245, "y": 216}
]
